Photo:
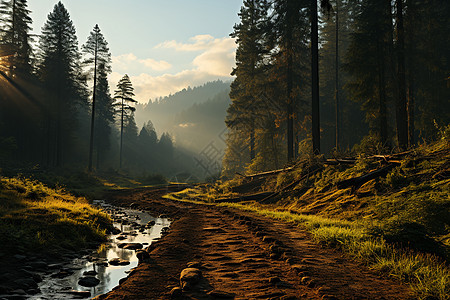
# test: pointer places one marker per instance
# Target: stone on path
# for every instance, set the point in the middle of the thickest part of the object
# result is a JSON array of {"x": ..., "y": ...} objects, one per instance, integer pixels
[
  {"x": 176, "y": 293},
  {"x": 142, "y": 255},
  {"x": 189, "y": 277}
]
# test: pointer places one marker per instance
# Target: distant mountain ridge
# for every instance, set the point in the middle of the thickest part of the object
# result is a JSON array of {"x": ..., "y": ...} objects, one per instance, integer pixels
[
  {"x": 180, "y": 101},
  {"x": 193, "y": 116}
]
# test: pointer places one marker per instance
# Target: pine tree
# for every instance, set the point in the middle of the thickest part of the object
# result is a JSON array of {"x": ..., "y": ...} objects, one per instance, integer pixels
[
  {"x": 59, "y": 70},
  {"x": 368, "y": 62},
  {"x": 400, "y": 104},
  {"x": 147, "y": 137},
  {"x": 96, "y": 48},
  {"x": 165, "y": 146},
  {"x": 289, "y": 35},
  {"x": 427, "y": 66},
  {"x": 250, "y": 53},
  {"x": 15, "y": 39},
  {"x": 342, "y": 121},
  {"x": 104, "y": 115},
  {"x": 130, "y": 141},
  {"x": 315, "y": 113},
  {"x": 124, "y": 98},
  {"x": 20, "y": 86}
]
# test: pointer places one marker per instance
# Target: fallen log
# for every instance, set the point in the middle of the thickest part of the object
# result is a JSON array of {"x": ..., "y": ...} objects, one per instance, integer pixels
[
  {"x": 357, "y": 182},
  {"x": 273, "y": 172},
  {"x": 312, "y": 172},
  {"x": 256, "y": 197},
  {"x": 336, "y": 161}
]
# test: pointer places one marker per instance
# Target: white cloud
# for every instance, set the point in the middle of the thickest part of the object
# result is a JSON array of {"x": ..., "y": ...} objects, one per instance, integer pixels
[
  {"x": 218, "y": 59},
  {"x": 186, "y": 125},
  {"x": 156, "y": 65},
  {"x": 199, "y": 43},
  {"x": 129, "y": 62},
  {"x": 215, "y": 61}
]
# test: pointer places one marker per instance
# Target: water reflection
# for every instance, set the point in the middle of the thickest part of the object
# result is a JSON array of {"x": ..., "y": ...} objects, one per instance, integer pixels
[{"x": 131, "y": 223}]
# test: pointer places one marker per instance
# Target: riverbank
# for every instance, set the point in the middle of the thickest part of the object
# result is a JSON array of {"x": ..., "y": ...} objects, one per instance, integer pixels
[{"x": 41, "y": 227}]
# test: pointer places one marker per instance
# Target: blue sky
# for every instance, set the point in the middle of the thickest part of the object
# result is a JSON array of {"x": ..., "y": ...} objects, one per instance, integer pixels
[{"x": 163, "y": 45}]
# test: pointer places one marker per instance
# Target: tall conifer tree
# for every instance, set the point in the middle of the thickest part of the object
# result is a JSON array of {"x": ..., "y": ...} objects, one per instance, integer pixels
[
  {"x": 369, "y": 63},
  {"x": 96, "y": 48},
  {"x": 289, "y": 35},
  {"x": 400, "y": 107},
  {"x": 124, "y": 99},
  {"x": 15, "y": 38},
  {"x": 60, "y": 71},
  {"x": 245, "y": 89},
  {"x": 104, "y": 115}
]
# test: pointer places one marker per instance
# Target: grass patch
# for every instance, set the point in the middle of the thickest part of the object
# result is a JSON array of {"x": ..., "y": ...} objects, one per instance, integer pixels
[
  {"x": 34, "y": 217},
  {"x": 427, "y": 275}
]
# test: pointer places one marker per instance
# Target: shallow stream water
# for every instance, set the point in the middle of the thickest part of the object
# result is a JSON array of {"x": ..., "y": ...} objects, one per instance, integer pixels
[{"x": 109, "y": 276}]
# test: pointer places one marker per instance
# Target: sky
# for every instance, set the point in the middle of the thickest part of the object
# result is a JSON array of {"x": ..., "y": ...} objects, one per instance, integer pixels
[{"x": 163, "y": 45}]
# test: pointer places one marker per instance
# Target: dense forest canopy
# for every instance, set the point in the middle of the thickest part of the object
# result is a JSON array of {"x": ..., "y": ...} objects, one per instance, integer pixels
[{"x": 377, "y": 71}]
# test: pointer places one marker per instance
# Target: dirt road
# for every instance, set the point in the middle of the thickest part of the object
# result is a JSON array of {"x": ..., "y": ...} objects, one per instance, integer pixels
[{"x": 242, "y": 256}]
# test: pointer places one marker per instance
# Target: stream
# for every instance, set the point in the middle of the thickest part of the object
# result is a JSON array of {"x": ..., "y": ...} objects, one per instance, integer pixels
[{"x": 63, "y": 281}]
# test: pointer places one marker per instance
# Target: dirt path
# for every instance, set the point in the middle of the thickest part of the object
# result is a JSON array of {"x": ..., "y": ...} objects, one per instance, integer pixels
[{"x": 245, "y": 255}]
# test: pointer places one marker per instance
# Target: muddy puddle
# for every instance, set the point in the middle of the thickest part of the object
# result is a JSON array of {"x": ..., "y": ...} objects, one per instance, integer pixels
[{"x": 100, "y": 271}]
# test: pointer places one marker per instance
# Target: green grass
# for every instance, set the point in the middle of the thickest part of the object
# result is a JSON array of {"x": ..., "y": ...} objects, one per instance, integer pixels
[
  {"x": 427, "y": 275},
  {"x": 34, "y": 217}
]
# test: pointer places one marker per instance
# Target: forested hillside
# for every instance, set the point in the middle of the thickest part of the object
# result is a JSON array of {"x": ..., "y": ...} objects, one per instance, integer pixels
[{"x": 193, "y": 116}]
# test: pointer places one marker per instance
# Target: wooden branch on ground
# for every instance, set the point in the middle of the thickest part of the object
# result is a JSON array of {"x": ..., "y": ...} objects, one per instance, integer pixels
[
  {"x": 273, "y": 172},
  {"x": 310, "y": 173},
  {"x": 336, "y": 161},
  {"x": 356, "y": 182},
  {"x": 256, "y": 197}
]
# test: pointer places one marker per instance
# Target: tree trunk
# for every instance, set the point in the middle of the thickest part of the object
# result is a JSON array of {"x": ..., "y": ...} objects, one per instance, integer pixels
[
  {"x": 336, "y": 91},
  {"x": 290, "y": 110},
  {"x": 315, "y": 77},
  {"x": 252, "y": 140},
  {"x": 382, "y": 113},
  {"x": 400, "y": 109},
  {"x": 91, "y": 141},
  {"x": 121, "y": 137},
  {"x": 289, "y": 78},
  {"x": 410, "y": 109}
]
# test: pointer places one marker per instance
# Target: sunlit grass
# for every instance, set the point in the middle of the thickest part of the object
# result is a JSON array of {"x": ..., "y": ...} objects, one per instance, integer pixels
[{"x": 34, "y": 216}]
